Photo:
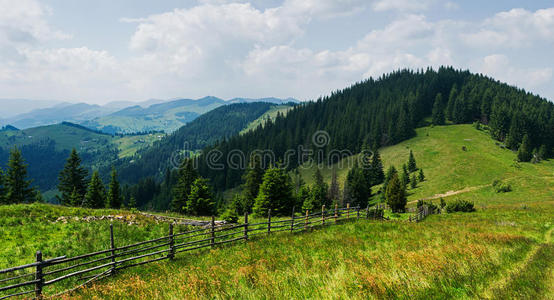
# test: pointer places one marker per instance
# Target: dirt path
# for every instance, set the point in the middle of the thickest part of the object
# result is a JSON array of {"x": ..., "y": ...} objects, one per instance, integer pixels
[
  {"x": 503, "y": 281},
  {"x": 451, "y": 193}
]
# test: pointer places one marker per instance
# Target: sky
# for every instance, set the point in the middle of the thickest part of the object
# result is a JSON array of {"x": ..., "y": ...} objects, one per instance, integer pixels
[{"x": 104, "y": 50}]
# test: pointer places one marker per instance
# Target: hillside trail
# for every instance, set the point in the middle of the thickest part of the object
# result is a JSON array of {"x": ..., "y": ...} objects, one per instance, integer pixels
[
  {"x": 451, "y": 193},
  {"x": 503, "y": 281}
]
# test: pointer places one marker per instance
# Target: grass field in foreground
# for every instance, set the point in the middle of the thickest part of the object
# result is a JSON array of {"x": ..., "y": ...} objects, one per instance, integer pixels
[{"x": 451, "y": 255}]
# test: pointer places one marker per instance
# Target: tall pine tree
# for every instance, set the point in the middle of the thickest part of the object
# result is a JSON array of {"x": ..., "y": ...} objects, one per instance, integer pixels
[
  {"x": 395, "y": 194},
  {"x": 253, "y": 179},
  {"x": 378, "y": 175},
  {"x": 187, "y": 176},
  {"x": 96, "y": 193},
  {"x": 438, "y": 111},
  {"x": 18, "y": 187},
  {"x": 275, "y": 194},
  {"x": 200, "y": 201},
  {"x": 2, "y": 188},
  {"x": 412, "y": 166},
  {"x": 334, "y": 189},
  {"x": 114, "y": 193},
  {"x": 72, "y": 178},
  {"x": 524, "y": 151}
]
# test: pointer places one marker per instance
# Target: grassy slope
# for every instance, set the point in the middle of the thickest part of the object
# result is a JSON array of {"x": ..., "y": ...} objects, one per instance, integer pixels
[
  {"x": 36, "y": 225},
  {"x": 503, "y": 250},
  {"x": 438, "y": 150},
  {"x": 169, "y": 121},
  {"x": 269, "y": 115},
  {"x": 68, "y": 137},
  {"x": 129, "y": 145}
]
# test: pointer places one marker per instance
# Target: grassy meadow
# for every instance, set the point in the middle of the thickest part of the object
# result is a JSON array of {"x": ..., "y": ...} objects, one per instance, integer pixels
[{"x": 504, "y": 250}]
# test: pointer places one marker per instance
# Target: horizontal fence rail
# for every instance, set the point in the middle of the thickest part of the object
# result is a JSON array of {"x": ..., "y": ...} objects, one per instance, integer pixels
[{"x": 75, "y": 272}]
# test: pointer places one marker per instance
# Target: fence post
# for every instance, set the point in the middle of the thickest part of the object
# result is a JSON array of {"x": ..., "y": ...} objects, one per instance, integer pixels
[
  {"x": 212, "y": 241},
  {"x": 38, "y": 276},
  {"x": 112, "y": 242},
  {"x": 171, "y": 253},
  {"x": 292, "y": 221},
  {"x": 306, "y": 222},
  {"x": 269, "y": 222},
  {"x": 336, "y": 212},
  {"x": 246, "y": 226},
  {"x": 357, "y": 213},
  {"x": 323, "y": 215},
  {"x": 347, "y": 211},
  {"x": 367, "y": 212}
]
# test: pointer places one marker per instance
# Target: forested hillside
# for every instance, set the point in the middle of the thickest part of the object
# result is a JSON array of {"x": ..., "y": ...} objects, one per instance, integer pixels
[
  {"x": 46, "y": 148},
  {"x": 385, "y": 111},
  {"x": 216, "y": 125}
]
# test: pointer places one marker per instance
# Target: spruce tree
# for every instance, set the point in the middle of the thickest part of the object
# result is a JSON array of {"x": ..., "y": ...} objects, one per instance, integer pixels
[
  {"x": 187, "y": 176},
  {"x": 76, "y": 199},
  {"x": 114, "y": 193},
  {"x": 451, "y": 102},
  {"x": 38, "y": 197},
  {"x": 421, "y": 176},
  {"x": 200, "y": 201},
  {"x": 358, "y": 187},
  {"x": 71, "y": 178},
  {"x": 412, "y": 166},
  {"x": 96, "y": 193},
  {"x": 405, "y": 175},
  {"x": 395, "y": 194},
  {"x": 253, "y": 178},
  {"x": 542, "y": 153},
  {"x": 132, "y": 202},
  {"x": 413, "y": 182},
  {"x": 275, "y": 194},
  {"x": 2, "y": 188},
  {"x": 390, "y": 173},
  {"x": 524, "y": 152},
  {"x": 334, "y": 189},
  {"x": 18, "y": 188},
  {"x": 438, "y": 111},
  {"x": 319, "y": 190},
  {"x": 378, "y": 175}
]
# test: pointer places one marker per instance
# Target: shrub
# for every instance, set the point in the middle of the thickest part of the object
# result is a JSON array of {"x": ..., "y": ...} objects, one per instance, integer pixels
[
  {"x": 230, "y": 216},
  {"x": 460, "y": 205},
  {"x": 376, "y": 213},
  {"x": 503, "y": 188},
  {"x": 432, "y": 207}
]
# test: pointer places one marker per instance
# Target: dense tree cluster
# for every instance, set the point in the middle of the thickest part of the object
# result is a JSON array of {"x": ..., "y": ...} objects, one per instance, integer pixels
[
  {"x": 14, "y": 185},
  {"x": 217, "y": 125},
  {"x": 192, "y": 194},
  {"x": 75, "y": 191},
  {"x": 386, "y": 111}
]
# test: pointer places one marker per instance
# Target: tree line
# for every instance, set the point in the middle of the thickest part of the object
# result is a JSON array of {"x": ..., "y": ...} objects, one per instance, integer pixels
[{"x": 385, "y": 111}]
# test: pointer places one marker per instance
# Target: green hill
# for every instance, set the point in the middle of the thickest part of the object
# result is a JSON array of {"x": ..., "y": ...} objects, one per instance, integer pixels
[
  {"x": 46, "y": 148},
  {"x": 269, "y": 115},
  {"x": 469, "y": 173}
]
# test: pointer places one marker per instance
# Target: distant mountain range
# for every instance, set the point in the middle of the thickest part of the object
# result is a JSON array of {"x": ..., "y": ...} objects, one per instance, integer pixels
[{"x": 125, "y": 116}]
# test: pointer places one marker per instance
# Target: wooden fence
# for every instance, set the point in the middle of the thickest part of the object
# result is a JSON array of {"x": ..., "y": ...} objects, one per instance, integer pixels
[
  {"x": 74, "y": 272},
  {"x": 422, "y": 212}
]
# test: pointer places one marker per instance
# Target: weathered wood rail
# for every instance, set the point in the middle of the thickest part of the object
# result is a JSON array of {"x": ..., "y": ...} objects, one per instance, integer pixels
[
  {"x": 40, "y": 277},
  {"x": 422, "y": 213}
]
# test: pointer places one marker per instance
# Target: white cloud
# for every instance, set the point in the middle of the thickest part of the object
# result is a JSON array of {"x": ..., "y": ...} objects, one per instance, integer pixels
[
  {"x": 516, "y": 28},
  {"x": 23, "y": 22},
  {"x": 402, "y": 5},
  {"x": 232, "y": 48},
  {"x": 500, "y": 67}
]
